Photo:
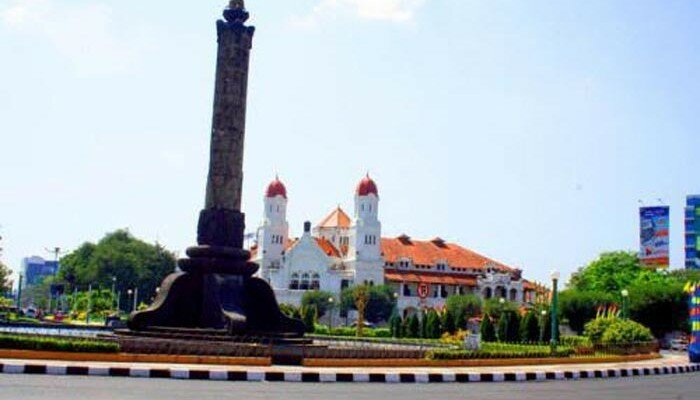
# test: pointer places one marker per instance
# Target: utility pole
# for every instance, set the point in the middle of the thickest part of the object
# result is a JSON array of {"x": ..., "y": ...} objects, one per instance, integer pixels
[{"x": 136, "y": 297}]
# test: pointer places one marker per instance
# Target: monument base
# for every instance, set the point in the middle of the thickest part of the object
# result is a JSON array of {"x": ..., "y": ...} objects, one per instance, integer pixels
[{"x": 216, "y": 291}]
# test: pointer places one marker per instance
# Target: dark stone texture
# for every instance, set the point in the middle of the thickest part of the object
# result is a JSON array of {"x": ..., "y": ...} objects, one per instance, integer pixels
[
  {"x": 221, "y": 227},
  {"x": 242, "y": 305}
]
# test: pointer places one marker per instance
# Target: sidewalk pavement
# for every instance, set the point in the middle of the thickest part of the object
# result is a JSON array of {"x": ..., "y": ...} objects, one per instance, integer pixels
[{"x": 668, "y": 364}]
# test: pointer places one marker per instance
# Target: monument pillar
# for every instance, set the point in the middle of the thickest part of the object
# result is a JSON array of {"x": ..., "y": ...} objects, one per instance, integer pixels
[
  {"x": 221, "y": 222},
  {"x": 216, "y": 289}
]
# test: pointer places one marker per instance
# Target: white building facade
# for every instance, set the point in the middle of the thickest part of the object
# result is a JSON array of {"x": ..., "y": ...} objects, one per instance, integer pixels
[{"x": 341, "y": 251}]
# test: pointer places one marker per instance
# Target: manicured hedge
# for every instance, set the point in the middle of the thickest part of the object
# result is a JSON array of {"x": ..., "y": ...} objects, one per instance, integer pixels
[
  {"x": 501, "y": 350},
  {"x": 48, "y": 343}
]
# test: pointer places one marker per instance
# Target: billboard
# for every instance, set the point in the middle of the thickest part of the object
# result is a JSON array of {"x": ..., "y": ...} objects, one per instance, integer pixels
[{"x": 653, "y": 236}]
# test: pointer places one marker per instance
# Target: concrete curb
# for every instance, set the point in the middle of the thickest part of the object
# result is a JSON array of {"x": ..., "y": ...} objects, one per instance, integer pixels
[{"x": 330, "y": 376}]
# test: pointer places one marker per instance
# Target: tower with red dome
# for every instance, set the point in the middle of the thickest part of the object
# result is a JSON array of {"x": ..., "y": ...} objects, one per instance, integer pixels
[
  {"x": 365, "y": 238},
  {"x": 274, "y": 230}
]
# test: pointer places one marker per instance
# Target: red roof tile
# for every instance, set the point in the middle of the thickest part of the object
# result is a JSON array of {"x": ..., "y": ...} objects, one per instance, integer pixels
[
  {"x": 431, "y": 252},
  {"x": 429, "y": 277},
  {"x": 336, "y": 219},
  {"x": 327, "y": 247}
]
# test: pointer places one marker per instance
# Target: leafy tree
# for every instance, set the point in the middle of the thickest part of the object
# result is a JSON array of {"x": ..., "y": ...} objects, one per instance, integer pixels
[
  {"x": 660, "y": 305},
  {"x": 529, "y": 328},
  {"x": 424, "y": 324},
  {"x": 579, "y": 307},
  {"x": 610, "y": 273},
  {"x": 463, "y": 307},
  {"x": 448, "y": 323},
  {"x": 487, "y": 330},
  {"x": 413, "y": 328},
  {"x": 5, "y": 282},
  {"x": 133, "y": 262},
  {"x": 100, "y": 302},
  {"x": 495, "y": 308},
  {"x": 318, "y": 299},
  {"x": 380, "y": 305}
]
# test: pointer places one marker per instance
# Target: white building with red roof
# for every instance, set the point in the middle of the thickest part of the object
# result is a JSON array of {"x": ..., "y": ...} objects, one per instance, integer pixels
[{"x": 341, "y": 251}]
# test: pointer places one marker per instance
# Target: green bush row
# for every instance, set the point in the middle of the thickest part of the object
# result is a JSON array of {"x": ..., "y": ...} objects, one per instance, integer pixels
[
  {"x": 346, "y": 331},
  {"x": 484, "y": 353},
  {"x": 47, "y": 343}
]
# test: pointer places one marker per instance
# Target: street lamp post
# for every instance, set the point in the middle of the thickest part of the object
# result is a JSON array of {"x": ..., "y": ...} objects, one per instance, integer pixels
[
  {"x": 555, "y": 299},
  {"x": 330, "y": 312},
  {"x": 542, "y": 327},
  {"x": 502, "y": 302},
  {"x": 129, "y": 293},
  {"x": 114, "y": 286},
  {"x": 625, "y": 295}
]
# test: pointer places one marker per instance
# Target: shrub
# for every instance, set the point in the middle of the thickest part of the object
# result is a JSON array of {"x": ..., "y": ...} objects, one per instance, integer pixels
[
  {"x": 595, "y": 329},
  {"x": 447, "y": 322},
  {"x": 423, "y": 325},
  {"x": 500, "y": 350},
  {"x": 290, "y": 311},
  {"x": 343, "y": 331},
  {"x": 575, "y": 341},
  {"x": 626, "y": 331},
  {"x": 49, "y": 343},
  {"x": 413, "y": 327},
  {"x": 395, "y": 324},
  {"x": 321, "y": 329},
  {"x": 509, "y": 327},
  {"x": 380, "y": 332},
  {"x": 432, "y": 325},
  {"x": 488, "y": 332},
  {"x": 529, "y": 328},
  {"x": 309, "y": 318}
]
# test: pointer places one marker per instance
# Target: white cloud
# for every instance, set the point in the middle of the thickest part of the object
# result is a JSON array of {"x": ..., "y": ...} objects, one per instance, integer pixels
[
  {"x": 85, "y": 34},
  {"x": 378, "y": 10}
]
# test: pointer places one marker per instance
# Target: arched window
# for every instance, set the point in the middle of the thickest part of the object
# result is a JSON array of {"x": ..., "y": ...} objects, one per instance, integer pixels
[
  {"x": 304, "y": 282},
  {"x": 513, "y": 294},
  {"x": 501, "y": 292},
  {"x": 294, "y": 284},
  {"x": 315, "y": 282},
  {"x": 487, "y": 293}
]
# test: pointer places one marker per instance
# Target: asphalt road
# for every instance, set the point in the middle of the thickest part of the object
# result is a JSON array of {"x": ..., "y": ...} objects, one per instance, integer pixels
[{"x": 673, "y": 387}]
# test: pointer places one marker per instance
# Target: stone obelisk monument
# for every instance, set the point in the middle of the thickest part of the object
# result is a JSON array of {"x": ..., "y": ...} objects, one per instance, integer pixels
[{"x": 216, "y": 289}]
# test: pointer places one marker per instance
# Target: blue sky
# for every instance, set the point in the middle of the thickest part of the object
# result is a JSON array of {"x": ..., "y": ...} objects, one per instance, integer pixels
[{"x": 527, "y": 131}]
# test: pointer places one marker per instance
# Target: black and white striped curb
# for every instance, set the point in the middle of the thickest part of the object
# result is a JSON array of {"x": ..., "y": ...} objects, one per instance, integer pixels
[{"x": 323, "y": 376}]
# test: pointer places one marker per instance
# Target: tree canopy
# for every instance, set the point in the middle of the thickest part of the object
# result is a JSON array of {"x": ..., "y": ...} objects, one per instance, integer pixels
[
  {"x": 380, "y": 304},
  {"x": 133, "y": 262},
  {"x": 656, "y": 298},
  {"x": 609, "y": 273},
  {"x": 5, "y": 274},
  {"x": 5, "y": 281},
  {"x": 319, "y": 299}
]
